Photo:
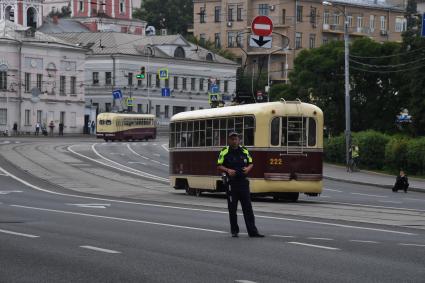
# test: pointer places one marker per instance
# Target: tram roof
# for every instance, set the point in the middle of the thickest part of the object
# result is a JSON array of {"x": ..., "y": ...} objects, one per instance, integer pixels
[
  {"x": 289, "y": 107},
  {"x": 126, "y": 115}
]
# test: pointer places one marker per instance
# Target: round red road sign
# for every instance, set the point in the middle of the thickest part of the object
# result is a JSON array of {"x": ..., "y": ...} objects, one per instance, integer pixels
[{"x": 262, "y": 26}]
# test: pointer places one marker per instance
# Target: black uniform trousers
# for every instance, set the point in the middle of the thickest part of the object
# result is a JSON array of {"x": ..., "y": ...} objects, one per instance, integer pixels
[{"x": 239, "y": 191}]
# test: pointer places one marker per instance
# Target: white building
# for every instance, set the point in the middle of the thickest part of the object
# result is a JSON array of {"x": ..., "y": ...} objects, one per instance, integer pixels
[
  {"x": 41, "y": 80},
  {"x": 115, "y": 59}
]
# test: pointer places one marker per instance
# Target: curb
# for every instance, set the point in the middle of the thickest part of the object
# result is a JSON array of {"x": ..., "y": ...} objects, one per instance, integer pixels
[{"x": 413, "y": 189}]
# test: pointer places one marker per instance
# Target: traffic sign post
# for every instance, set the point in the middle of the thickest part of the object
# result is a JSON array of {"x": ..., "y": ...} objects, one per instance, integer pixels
[
  {"x": 130, "y": 101},
  {"x": 117, "y": 94},
  {"x": 215, "y": 88},
  {"x": 165, "y": 91},
  {"x": 163, "y": 74},
  {"x": 423, "y": 25},
  {"x": 262, "y": 26},
  {"x": 260, "y": 41}
]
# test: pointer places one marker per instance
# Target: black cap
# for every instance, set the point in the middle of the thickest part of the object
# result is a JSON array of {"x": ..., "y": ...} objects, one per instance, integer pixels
[{"x": 231, "y": 134}]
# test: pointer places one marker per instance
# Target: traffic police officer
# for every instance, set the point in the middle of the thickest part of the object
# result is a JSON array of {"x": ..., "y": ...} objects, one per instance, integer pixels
[{"x": 236, "y": 162}]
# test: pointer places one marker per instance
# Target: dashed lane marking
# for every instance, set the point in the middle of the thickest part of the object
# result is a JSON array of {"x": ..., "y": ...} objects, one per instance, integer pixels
[
  {"x": 314, "y": 246},
  {"x": 390, "y": 201},
  {"x": 332, "y": 190},
  {"x": 413, "y": 245},
  {"x": 91, "y": 205},
  {"x": 9, "y": 192},
  {"x": 282, "y": 236},
  {"x": 364, "y": 241},
  {"x": 100, "y": 250},
  {"x": 378, "y": 196},
  {"x": 2, "y": 174},
  {"x": 137, "y": 162},
  {"x": 18, "y": 234},
  {"x": 321, "y": 239},
  {"x": 244, "y": 281}
]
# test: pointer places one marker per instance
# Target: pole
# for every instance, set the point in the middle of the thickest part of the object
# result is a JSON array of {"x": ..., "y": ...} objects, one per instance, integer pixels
[
  {"x": 268, "y": 78},
  {"x": 347, "y": 91},
  {"x": 148, "y": 80}
]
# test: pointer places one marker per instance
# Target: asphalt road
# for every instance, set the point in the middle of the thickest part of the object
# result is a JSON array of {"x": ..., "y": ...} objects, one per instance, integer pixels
[{"x": 51, "y": 234}]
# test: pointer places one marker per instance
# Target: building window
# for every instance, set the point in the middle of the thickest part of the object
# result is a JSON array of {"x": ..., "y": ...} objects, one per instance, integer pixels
[
  {"x": 239, "y": 39},
  {"x": 192, "y": 84},
  {"x": 201, "y": 84},
  {"x": 336, "y": 19},
  {"x": 313, "y": 12},
  {"x": 139, "y": 108},
  {"x": 372, "y": 23},
  {"x": 359, "y": 22},
  {"x": 230, "y": 10},
  {"x": 27, "y": 82},
  {"x": 108, "y": 78},
  {"x": 383, "y": 23},
  {"x": 62, "y": 85},
  {"x": 108, "y": 107},
  {"x": 231, "y": 39},
  {"x": 39, "y": 116},
  {"x": 157, "y": 110},
  {"x": 73, "y": 89},
  {"x": 95, "y": 76},
  {"x": 263, "y": 9},
  {"x": 176, "y": 82},
  {"x": 326, "y": 18},
  {"x": 312, "y": 41},
  {"x": 217, "y": 11},
  {"x": 325, "y": 40},
  {"x": 239, "y": 12},
  {"x": 166, "y": 111},
  {"x": 149, "y": 82},
  {"x": 298, "y": 40},
  {"x": 167, "y": 83},
  {"x": 400, "y": 24},
  {"x": 39, "y": 81},
  {"x": 283, "y": 16},
  {"x": 157, "y": 82},
  {"x": 122, "y": 6},
  {"x": 81, "y": 6},
  {"x": 299, "y": 14},
  {"x": 62, "y": 117},
  {"x": 3, "y": 80},
  {"x": 184, "y": 83},
  {"x": 202, "y": 39},
  {"x": 217, "y": 41},
  {"x": 3, "y": 116},
  {"x": 27, "y": 117},
  {"x": 130, "y": 79},
  {"x": 202, "y": 15},
  {"x": 179, "y": 52},
  {"x": 226, "y": 86},
  {"x": 350, "y": 21}
]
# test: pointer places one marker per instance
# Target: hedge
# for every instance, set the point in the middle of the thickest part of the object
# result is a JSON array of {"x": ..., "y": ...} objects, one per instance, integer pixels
[{"x": 380, "y": 151}]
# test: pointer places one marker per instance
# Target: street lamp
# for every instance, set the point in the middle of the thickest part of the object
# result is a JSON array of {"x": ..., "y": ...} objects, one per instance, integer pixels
[{"x": 347, "y": 82}]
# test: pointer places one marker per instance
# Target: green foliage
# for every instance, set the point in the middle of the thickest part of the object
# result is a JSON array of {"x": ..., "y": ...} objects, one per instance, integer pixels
[
  {"x": 173, "y": 15},
  {"x": 416, "y": 156},
  {"x": 65, "y": 12},
  {"x": 371, "y": 148},
  {"x": 335, "y": 149}
]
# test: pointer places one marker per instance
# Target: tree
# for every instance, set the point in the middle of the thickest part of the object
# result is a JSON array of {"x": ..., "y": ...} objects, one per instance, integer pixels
[{"x": 173, "y": 15}]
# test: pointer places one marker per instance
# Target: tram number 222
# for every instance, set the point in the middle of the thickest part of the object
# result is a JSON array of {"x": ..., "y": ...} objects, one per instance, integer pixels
[{"x": 275, "y": 161}]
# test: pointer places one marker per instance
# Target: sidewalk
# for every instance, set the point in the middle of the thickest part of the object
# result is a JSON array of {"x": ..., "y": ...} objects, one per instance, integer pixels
[{"x": 339, "y": 173}]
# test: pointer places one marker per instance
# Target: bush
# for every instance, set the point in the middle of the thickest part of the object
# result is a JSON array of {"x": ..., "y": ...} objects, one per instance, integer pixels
[
  {"x": 371, "y": 148},
  {"x": 416, "y": 156},
  {"x": 335, "y": 149},
  {"x": 396, "y": 153}
]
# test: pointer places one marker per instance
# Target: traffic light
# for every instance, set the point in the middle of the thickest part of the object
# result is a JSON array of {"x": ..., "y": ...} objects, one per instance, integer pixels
[{"x": 142, "y": 74}]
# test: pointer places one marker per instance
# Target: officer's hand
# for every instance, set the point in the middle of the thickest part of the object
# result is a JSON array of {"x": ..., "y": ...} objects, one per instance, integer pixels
[{"x": 231, "y": 172}]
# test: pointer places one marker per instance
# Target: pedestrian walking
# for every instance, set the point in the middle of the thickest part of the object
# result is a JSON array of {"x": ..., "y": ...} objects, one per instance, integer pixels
[
  {"x": 37, "y": 128},
  {"x": 401, "y": 182},
  {"x": 354, "y": 155},
  {"x": 61, "y": 129},
  {"x": 235, "y": 163},
  {"x": 93, "y": 127},
  {"x": 15, "y": 129},
  {"x": 51, "y": 127}
]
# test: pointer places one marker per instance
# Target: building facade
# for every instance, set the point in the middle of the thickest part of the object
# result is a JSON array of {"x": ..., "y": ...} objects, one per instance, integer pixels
[
  {"x": 41, "y": 80},
  {"x": 115, "y": 59},
  {"x": 306, "y": 23},
  {"x": 28, "y": 13}
]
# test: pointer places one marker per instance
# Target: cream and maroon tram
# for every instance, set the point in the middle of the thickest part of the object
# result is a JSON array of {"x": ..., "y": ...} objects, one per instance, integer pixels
[
  {"x": 284, "y": 138},
  {"x": 125, "y": 126}
]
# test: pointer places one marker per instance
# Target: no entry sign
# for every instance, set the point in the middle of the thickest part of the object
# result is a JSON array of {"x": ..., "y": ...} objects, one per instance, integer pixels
[{"x": 262, "y": 26}]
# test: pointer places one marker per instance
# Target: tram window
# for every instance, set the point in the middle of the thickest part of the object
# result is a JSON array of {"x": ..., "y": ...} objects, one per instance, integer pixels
[
  {"x": 230, "y": 125},
  {"x": 216, "y": 124},
  {"x": 208, "y": 133},
  {"x": 108, "y": 122},
  {"x": 196, "y": 126},
  {"x": 172, "y": 127},
  {"x": 196, "y": 138},
  {"x": 284, "y": 136},
  {"x": 311, "y": 132},
  {"x": 178, "y": 127},
  {"x": 202, "y": 138},
  {"x": 189, "y": 139},
  {"x": 190, "y": 126},
  {"x": 184, "y": 127},
  {"x": 274, "y": 131},
  {"x": 216, "y": 137}
]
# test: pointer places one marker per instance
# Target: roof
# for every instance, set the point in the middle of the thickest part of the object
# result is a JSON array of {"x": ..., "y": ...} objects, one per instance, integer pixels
[
  {"x": 13, "y": 31},
  {"x": 62, "y": 25},
  {"x": 379, "y": 4},
  {"x": 131, "y": 44},
  {"x": 280, "y": 108},
  {"x": 125, "y": 115}
]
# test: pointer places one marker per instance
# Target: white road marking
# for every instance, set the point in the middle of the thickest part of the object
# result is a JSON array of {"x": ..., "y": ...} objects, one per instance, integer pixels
[
  {"x": 3, "y": 174},
  {"x": 5, "y": 142},
  {"x": 9, "y": 192},
  {"x": 371, "y": 206},
  {"x": 314, "y": 246},
  {"x": 414, "y": 199},
  {"x": 121, "y": 219},
  {"x": 156, "y": 154},
  {"x": 364, "y": 241},
  {"x": 138, "y": 154},
  {"x": 333, "y": 190},
  {"x": 244, "y": 281},
  {"x": 91, "y": 205},
  {"x": 202, "y": 210},
  {"x": 282, "y": 236},
  {"x": 100, "y": 249},
  {"x": 325, "y": 197},
  {"x": 165, "y": 146},
  {"x": 137, "y": 162},
  {"x": 378, "y": 196},
  {"x": 17, "y": 142},
  {"x": 390, "y": 201},
  {"x": 130, "y": 170},
  {"x": 413, "y": 245},
  {"x": 322, "y": 239},
  {"x": 155, "y": 144},
  {"x": 18, "y": 234}
]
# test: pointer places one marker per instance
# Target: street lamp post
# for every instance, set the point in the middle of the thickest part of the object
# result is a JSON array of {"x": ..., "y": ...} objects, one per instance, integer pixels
[{"x": 347, "y": 83}]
